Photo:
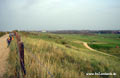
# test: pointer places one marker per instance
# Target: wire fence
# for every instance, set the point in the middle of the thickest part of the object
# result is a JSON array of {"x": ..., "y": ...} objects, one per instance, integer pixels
[
  {"x": 20, "y": 58},
  {"x": 20, "y": 52}
]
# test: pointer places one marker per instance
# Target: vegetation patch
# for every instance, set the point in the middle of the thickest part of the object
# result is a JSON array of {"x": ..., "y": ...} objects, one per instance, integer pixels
[
  {"x": 2, "y": 33},
  {"x": 45, "y": 56}
]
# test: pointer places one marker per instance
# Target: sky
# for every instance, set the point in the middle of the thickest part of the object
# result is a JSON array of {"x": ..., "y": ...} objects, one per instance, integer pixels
[{"x": 59, "y": 15}]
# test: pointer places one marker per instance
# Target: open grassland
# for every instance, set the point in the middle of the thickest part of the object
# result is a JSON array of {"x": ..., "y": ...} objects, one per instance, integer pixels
[
  {"x": 61, "y": 56},
  {"x": 106, "y": 43}
]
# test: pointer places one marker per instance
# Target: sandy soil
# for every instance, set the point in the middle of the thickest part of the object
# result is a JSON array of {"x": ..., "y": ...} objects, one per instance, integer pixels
[
  {"x": 88, "y": 47},
  {"x": 4, "y": 51},
  {"x": 85, "y": 44}
]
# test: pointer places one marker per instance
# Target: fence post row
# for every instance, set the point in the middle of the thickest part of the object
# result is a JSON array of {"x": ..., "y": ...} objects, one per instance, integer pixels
[{"x": 20, "y": 46}]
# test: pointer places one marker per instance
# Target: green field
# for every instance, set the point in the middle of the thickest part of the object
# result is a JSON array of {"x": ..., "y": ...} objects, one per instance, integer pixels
[
  {"x": 106, "y": 43},
  {"x": 64, "y": 55}
]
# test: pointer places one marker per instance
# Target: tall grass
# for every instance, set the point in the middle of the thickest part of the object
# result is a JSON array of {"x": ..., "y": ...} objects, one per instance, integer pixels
[{"x": 43, "y": 56}]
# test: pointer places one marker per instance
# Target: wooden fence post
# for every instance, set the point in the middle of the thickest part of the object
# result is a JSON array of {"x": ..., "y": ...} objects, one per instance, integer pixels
[
  {"x": 17, "y": 37},
  {"x": 20, "y": 46},
  {"x": 21, "y": 53}
]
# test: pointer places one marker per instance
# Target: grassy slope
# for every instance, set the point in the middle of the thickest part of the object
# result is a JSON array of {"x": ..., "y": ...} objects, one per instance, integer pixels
[
  {"x": 103, "y": 42},
  {"x": 2, "y": 33},
  {"x": 61, "y": 60}
]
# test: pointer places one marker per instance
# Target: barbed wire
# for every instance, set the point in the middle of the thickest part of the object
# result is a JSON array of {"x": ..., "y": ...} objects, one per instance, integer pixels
[
  {"x": 34, "y": 56},
  {"x": 23, "y": 70}
]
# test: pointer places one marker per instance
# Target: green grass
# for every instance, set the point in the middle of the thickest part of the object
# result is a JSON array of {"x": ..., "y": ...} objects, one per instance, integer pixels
[
  {"x": 63, "y": 57},
  {"x": 54, "y": 38},
  {"x": 107, "y": 48},
  {"x": 102, "y": 42},
  {"x": 103, "y": 46},
  {"x": 93, "y": 38}
]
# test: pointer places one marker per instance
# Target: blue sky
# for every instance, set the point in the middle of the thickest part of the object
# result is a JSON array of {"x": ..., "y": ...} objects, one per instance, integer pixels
[{"x": 59, "y": 14}]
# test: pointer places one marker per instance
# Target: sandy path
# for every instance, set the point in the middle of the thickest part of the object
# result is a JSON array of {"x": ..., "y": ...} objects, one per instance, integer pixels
[
  {"x": 88, "y": 47},
  {"x": 3, "y": 54},
  {"x": 85, "y": 44}
]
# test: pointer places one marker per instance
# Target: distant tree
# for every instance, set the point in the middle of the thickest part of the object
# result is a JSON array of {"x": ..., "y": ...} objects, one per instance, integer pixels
[{"x": 15, "y": 31}]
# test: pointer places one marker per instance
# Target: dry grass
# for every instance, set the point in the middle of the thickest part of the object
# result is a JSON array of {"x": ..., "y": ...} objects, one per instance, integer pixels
[{"x": 42, "y": 56}]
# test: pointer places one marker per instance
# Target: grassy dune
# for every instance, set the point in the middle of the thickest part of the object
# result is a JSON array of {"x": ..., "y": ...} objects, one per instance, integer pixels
[
  {"x": 43, "y": 54},
  {"x": 2, "y": 33}
]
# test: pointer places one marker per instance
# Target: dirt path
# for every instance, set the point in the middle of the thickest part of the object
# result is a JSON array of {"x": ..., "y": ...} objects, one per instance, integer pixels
[
  {"x": 88, "y": 47},
  {"x": 85, "y": 44},
  {"x": 3, "y": 54}
]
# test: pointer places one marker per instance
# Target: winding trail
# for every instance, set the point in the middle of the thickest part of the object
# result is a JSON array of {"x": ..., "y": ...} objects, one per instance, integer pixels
[
  {"x": 85, "y": 44},
  {"x": 88, "y": 47},
  {"x": 4, "y": 51}
]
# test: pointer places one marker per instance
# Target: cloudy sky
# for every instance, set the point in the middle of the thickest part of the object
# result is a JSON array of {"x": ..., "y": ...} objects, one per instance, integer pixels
[{"x": 59, "y": 14}]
